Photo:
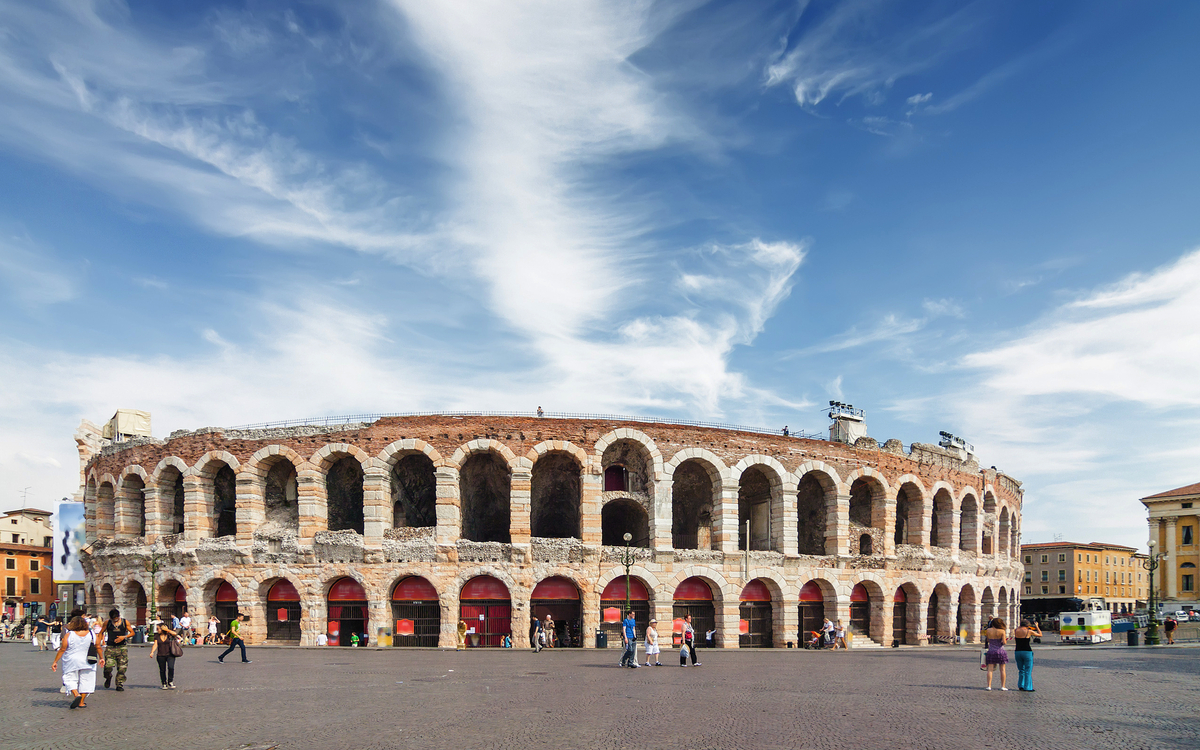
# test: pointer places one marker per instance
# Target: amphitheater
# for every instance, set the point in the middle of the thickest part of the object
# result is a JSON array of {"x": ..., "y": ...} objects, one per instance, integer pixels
[{"x": 397, "y": 527}]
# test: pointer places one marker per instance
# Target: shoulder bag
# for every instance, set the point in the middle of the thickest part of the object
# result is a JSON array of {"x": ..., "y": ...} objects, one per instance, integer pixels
[
  {"x": 173, "y": 647},
  {"x": 93, "y": 655}
]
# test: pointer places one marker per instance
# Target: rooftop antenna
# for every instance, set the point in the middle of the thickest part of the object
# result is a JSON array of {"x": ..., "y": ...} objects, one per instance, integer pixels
[
  {"x": 1058, "y": 537},
  {"x": 25, "y": 496}
]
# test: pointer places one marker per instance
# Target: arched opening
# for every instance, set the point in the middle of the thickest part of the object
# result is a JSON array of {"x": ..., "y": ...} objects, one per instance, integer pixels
[
  {"x": 1003, "y": 531},
  {"x": 900, "y": 617},
  {"x": 694, "y": 597},
  {"x": 987, "y": 608},
  {"x": 283, "y": 612},
  {"x": 812, "y": 610},
  {"x": 280, "y": 496},
  {"x": 225, "y": 605},
  {"x": 755, "y": 623},
  {"x": 931, "y": 618},
  {"x": 1002, "y": 607},
  {"x": 106, "y": 599},
  {"x": 414, "y": 492},
  {"x": 555, "y": 494},
  {"x": 865, "y": 545},
  {"x": 867, "y": 515},
  {"x": 1015, "y": 543},
  {"x": 134, "y": 510},
  {"x": 812, "y": 500},
  {"x": 968, "y": 525},
  {"x": 484, "y": 488},
  {"x": 106, "y": 511},
  {"x": 754, "y": 509},
  {"x": 558, "y": 597},
  {"x": 860, "y": 611},
  {"x": 691, "y": 506},
  {"x": 224, "y": 494},
  {"x": 170, "y": 488},
  {"x": 987, "y": 544},
  {"x": 910, "y": 508},
  {"x": 942, "y": 520},
  {"x": 627, "y": 467},
  {"x": 136, "y": 594},
  {"x": 622, "y": 516},
  {"x": 968, "y": 613},
  {"x": 172, "y": 600},
  {"x": 344, "y": 495},
  {"x": 417, "y": 614},
  {"x": 613, "y": 604},
  {"x": 348, "y": 613},
  {"x": 486, "y": 607}
]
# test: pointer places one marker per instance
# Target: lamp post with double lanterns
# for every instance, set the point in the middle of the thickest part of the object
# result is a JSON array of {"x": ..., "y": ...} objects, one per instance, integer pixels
[
  {"x": 627, "y": 559},
  {"x": 1151, "y": 564}
]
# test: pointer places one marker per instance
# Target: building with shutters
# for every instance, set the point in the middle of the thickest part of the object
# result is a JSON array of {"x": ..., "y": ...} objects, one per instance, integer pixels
[{"x": 398, "y": 527}]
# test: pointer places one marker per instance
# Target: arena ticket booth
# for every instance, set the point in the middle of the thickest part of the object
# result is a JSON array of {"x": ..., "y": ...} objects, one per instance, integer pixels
[
  {"x": 754, "y": 627},
  {"x": 283, "y": 612},
  {"x": 559, "y": 597},
  {"x": 900, "y": 617},
  {"x": 486, "y": 606},
  {"x": 347, "y": 613},
  {"x": 812, "y": 610},
  {"x": 860, "y": 611},
  {"x": 612, "y": 608},
  {"x": 694, "y": 597},
  {"x": 416, "y": 614},
  {"x": 226, "y": 608}
]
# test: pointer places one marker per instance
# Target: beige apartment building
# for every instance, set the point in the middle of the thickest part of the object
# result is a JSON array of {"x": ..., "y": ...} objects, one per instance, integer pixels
[
  {"x": 1064, "y": 570},
  {"x": 1174, "y": 523}
]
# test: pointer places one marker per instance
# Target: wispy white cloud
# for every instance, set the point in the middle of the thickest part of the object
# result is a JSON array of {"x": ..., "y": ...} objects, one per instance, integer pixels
[{"x": 31, "y": 275}]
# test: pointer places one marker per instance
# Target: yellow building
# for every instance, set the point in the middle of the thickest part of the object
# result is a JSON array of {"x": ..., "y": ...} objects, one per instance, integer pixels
[
  {"x": 1174, "y": 523},
  {"x": 1057, "y": 570}
]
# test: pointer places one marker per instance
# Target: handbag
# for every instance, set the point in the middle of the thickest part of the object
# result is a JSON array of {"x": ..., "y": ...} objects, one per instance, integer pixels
[
  {"x": 983, "y": 659},
  {"x": 93, "y": 653},
  {"x": 174, "y": 648}
]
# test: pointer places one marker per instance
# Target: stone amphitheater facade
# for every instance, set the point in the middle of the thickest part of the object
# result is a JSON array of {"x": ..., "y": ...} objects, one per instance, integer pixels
[{"x": 912, "y": 544}]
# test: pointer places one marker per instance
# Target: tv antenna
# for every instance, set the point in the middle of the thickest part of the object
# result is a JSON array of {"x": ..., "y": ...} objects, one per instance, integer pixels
[
  {"x": 1058, "y": 537},
  {"x": 25, "y": 496}
]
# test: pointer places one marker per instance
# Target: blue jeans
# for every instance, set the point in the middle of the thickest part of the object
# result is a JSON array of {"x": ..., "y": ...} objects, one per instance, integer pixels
[
  {"x": 232, "y": 645},
  {"x": 629, "y": 658},
  {"x": 1024, "y": 670}
]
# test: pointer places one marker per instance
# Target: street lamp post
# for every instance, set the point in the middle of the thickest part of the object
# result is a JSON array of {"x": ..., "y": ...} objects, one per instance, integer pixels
[
  {"x": 628, "y": 561},
  {"x": 154, "y": 586},
  {"x": 1151, "y": 564}
]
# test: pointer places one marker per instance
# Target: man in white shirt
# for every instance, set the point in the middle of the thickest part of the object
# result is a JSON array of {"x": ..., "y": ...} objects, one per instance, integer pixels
[
  {"x": 322, "y": 639},
  {"x": 185, "y": 623}
]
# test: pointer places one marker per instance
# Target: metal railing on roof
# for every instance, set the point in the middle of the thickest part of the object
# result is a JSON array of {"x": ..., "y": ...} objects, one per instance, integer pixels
[{"x": 358, "y": 418}]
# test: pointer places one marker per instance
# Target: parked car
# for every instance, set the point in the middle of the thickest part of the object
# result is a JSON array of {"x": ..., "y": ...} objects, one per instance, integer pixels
[{"x": 1195, "y": 615}]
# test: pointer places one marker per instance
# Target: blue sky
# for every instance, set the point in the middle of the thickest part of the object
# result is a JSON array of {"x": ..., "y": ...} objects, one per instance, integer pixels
[{"x": 979, "y": 218}]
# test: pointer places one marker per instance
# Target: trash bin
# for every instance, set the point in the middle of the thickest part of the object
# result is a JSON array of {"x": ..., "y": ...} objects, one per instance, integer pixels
[
  {"x": 139, "y": 634},
  {"x": 1132, "y": 637},
  {"x": 601, "y": 639}
]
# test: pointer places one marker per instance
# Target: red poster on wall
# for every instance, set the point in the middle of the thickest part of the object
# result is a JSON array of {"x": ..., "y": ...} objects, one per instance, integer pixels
[
  {"x": 404, "y": 627},
  {"x": 743, "y": 626},
  {"x": 612, "y": 614},
  {"x": 281, "y": 614}
]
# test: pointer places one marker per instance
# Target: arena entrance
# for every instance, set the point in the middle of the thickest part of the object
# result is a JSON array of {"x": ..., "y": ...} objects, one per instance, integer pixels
[
  {"x": 417, "y": 613},
  {"x": 283, "y": 612},
  {"x": 347, "y": 612},
  {"x": 558, "y": 597},
  {"x": 612, "y": 608},
  {"x": 812, "y": 610},
  {"x": 860, "y": 611},
  {"x": 754, "y": 627},
  {"x": 486, "y": 607},
  {"x": 900, "y": 618},
  {"x": 173, "y": 601},
  {"x": 694, "y": 597},
  {"x": 226, "y": 608}
]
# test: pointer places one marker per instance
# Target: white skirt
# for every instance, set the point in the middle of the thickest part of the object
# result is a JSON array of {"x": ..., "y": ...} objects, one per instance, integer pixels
[{"x": 652, "y": 649}]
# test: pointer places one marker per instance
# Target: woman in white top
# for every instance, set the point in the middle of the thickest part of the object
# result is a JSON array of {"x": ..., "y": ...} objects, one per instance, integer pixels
[
  {"x": 78, "y": 676},
  {"x": 652, "y": 643},
  {"x": 213, "y": 622},
  {"x": 839, "y": 636}
]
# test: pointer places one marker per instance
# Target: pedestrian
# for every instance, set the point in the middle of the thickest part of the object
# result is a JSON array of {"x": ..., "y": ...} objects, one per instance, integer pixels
[
  {"x": 213, "y": 624},
  {"x": 652, "y": 648},
  {"x": 540, "y": 413},
  {"x": 689, "y": 643},
  {"x": 462, "y": 634},
  {"x": 185, "y": 625},
  {"x": 996, "y": 656},
  {"x": 322, "y": 639},
  {"x": 117, "y": 633},
  {"x": 538, "y": 637},
  {"x": 827, "y": 632},
  {"x": 629, "y": 641},
  {"x": 1170, "y": 626},
  {"x": 235, "y": 639},
  {"x": 41, "y": 632},
  {"x": 79, "y": 671},
  {"x": 839, "y": 637},
  {"x": 548, "y": 628},
  {"x": 56, "y": 629},
  {"x": 785, "y": 431},
  {"x": 1024, "y": 636},
  {"x": 165, "y": 649}
]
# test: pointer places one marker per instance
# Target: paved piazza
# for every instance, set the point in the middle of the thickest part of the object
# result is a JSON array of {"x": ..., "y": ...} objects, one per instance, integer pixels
[{"x": 1106, "y": 697}]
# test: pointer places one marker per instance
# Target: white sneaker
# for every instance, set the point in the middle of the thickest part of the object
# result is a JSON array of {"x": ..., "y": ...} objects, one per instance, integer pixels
[{"x": 1004, "y": 689}]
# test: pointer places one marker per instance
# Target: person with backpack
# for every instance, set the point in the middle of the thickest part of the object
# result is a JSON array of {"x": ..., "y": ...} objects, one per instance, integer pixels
[
  {"x": 235, "y": 640},
  {"x": 117, "y": 632},
  {"x": 629, "y": 641}
]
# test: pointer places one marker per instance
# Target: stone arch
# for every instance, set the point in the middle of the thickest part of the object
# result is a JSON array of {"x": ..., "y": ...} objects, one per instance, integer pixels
[
  {"x": 760, "y": 500},
  {"x": 968, "y": 612},
  {"x": 621, "y": 515},
  {"x": 714, "y": 462},
  {"x": 722, "y": 590},
  {"x": 557, "y": 446},
  {"x": 485, "y": 491},
  {"x": 516, "y": 591},
  {"x": 941, "y": 614},
  {"x": 1003, "y": 531},
  {"x": 216, "y": 474},
  {"x": 343, "y": 468},
  {"x": 968, "y": 522},
  {"x": 393, "y": 452},
  {"x": 817, "y": 489},
  {"x": 106, "y": 507},
  {"x": 168, "y": 480},
  {"x": 131, "y": 503},
  {"x": 695, "y": 497},
  {"x": 653, "y": 582},
  {"x": 556, "y": 494},
  {"x": 911, "y": 512},
  {"x": 412, "y": 475},
  {"x": 877, "y": 601},
  {"x": 913, "y": 610},
  {"x": 941, "y": 529},
  {"x": 647, "y": 443},
  {"x": 483, "y": 445},
  {"x": 273, "y": 492},
  {"x": 869, "y": 494},
  {"x": 811, "y": 616}
]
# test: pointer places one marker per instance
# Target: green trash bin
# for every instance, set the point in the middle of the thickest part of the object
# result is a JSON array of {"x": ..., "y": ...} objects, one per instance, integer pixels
[
  {"x": 1132, "y": 638},
  {"x": 601, "y": 639}
]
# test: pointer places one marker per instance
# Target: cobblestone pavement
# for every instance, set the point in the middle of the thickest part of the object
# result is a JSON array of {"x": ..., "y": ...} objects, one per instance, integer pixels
[{"x": 337, "y": 698}]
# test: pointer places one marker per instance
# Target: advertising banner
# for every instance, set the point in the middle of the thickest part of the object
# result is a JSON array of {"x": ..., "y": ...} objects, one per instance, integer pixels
[{"x": 69, "y": 537}]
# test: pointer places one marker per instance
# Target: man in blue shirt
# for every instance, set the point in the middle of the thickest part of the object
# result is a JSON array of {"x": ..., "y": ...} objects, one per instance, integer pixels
[{"x": 629, "y": 640}]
